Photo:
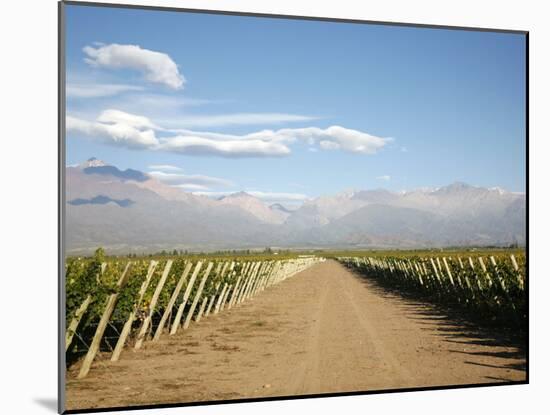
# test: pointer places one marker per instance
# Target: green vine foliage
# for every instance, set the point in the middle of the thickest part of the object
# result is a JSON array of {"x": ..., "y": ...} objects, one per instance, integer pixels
[
  {"x": 128, "y": 297},
  {"x": 495, "y": 294},
  {"x": 172, "y": 280},
  {"x": 82, "y": 279},
  {"x": 96, "y": 278}
]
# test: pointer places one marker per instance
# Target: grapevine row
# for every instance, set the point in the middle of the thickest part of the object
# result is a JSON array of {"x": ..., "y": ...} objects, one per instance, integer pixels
[
  {"x": 140, "y": 300},
  {"x": 493, "y": 288}
]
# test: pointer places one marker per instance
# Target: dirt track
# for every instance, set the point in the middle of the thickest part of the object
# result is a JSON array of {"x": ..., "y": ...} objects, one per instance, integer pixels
[{"x": 324, "y": 330}]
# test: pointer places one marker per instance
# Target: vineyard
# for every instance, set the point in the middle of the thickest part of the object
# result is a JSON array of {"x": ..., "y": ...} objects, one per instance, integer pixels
[
  {"x": 116, "y": 303},
  {"x": 382, "y": 319},
  {"x": 491, "y": 287}
]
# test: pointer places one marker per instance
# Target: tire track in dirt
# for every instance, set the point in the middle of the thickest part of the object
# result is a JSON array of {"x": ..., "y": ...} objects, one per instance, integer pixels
[{"x": 307, "y": 377}]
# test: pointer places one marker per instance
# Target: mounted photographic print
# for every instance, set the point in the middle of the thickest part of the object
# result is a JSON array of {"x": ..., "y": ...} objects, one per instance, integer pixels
[{"x": 256, "y": 207}]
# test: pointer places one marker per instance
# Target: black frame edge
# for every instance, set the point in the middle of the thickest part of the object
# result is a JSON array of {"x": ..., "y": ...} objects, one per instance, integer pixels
[
  {"x": 291, "y": 17},
  {"x": 527, "y": 242},
  {"x": 61, "y": 372}
]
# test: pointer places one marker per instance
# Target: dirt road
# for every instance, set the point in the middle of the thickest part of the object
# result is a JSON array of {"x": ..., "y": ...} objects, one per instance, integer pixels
[{"x": 324, "y": 330}]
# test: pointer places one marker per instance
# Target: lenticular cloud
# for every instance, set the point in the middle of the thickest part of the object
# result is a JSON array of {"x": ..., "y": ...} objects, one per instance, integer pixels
[
  {"x": 157, "y": 67},
  {"x": 120, "y": 128}
]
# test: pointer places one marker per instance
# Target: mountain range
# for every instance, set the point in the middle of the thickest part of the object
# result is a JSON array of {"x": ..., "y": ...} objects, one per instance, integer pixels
[{"x": 131, "y": 211}]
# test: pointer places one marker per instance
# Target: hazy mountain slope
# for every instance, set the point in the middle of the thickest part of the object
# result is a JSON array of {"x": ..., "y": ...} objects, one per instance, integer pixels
[
  {"x": 152, "y": 224},
  {"x": 458, "y": 214},
  {"x": 324, "y": 209},
  {"x": 149, "y": 219},
  {"x": 280, "y": 208},
  {"x": 127, "y": 210},
  {"x": 255, "y": 207}
]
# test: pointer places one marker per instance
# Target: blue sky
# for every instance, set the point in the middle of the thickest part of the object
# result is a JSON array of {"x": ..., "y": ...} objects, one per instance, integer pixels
[{"x": 291, "y": 109}]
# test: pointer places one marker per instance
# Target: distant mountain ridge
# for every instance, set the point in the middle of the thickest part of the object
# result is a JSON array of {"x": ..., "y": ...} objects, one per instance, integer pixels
[
  {"x": 95, "y": 166},
  {"x": 256, "y": 207},
  {"x": 279, "y": 207},
  {"x": 128, "y": 211}
]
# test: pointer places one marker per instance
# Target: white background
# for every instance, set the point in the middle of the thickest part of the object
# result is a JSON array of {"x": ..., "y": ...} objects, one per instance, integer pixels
[{"x": 28, "y": 207}]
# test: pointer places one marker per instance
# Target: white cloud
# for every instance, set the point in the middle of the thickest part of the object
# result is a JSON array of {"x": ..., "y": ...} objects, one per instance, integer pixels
[
  {"x": 157, "y": 67},
  {"x": 177, "y": 179},
  {"x": 235, "y": 119},
  {"x": 385, "y": 178},
  {"x": 329, "y": 145},
  {"x": 331, "y": 138},
  {"x": 159, "y": 103},
  {"x": 164, "y": 167},
  {"x": 121, "y": 117},
  {"x": 98, "y": 90},
  {"x": 340, "y": 138},
  {"x": 118, "y": 134},
  {"x": 120, "y": 128},
  {"x": 212, "y": 194},
  {"x": 127, "y": 130},
  {"x": 192, "y": 187},
  {"x": 276, "y": 196},
  {"x": 197, "y": 145}
]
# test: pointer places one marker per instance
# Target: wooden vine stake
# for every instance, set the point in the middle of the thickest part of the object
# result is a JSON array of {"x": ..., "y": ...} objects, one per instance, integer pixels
[
  {"x": 459, "y": 277},
  {"x": 177, "y": 319},
  {"x": 418, "y": 273},
  {"x": 244, "y": 291},
  {"x": 274, "y": 274},
  {"x": 206, "y": 300},
  {"x": 436, "y": 273},
  {"x": 220, "y": 298},
  {"x": 244, "y": 283},
  {"x": 79, "y": 313},
  {"x": 224, "y": 298},
  {"x": 145, "y": 326},
  {"x": 212, "y": 299},
  {"x": 471, "y": 262},
  {"x": 71, "y": 330},
  {"x": 100, "y": 330},
  {"x": 499, "y": 278},
  {"x": 485, "y": 273},
  {"x": 516, "y": 268},
  {"x": 216, "y": 290},
  {"x": 201, "y": 310},
  {"x": 268, "y": 275},
  {"x": 172, "y": 301},
  {"x": 131, "y": 318},
  {"x": 261, "y": 281},
  {"x": 237, "y": 286},
  {"x": 448, "y": 271},
  {"x": 251, "y": 282},
  {"x": 197, "y": 297},
  {"x": 252, "y": 290},
  {"x": 466, "y": 279}
]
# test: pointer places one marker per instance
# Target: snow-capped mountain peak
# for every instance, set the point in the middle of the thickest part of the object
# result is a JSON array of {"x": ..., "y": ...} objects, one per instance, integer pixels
[{"x": 92, "y": 162}]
